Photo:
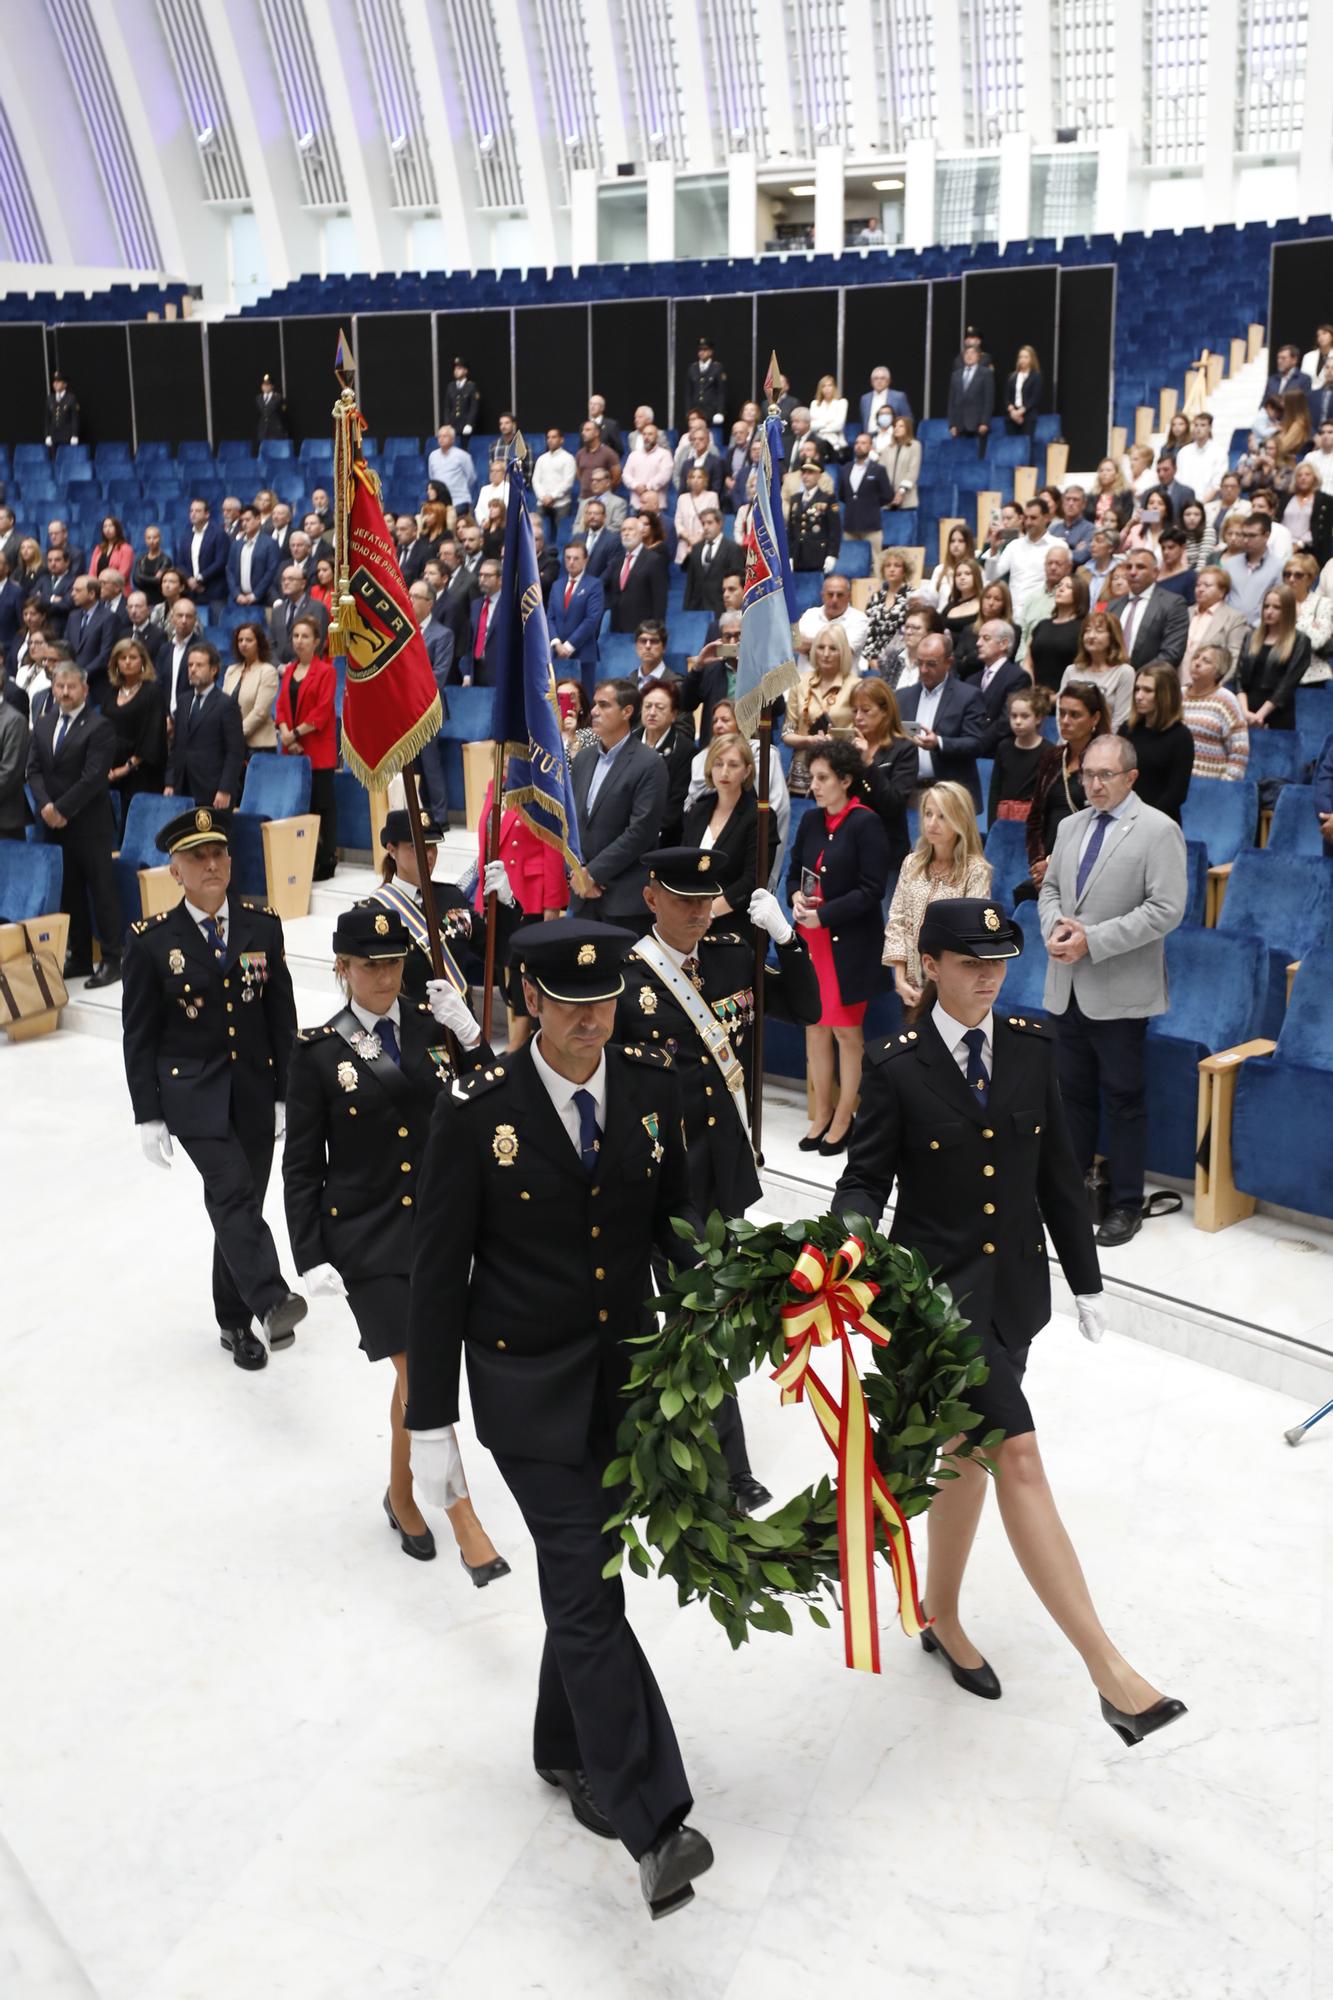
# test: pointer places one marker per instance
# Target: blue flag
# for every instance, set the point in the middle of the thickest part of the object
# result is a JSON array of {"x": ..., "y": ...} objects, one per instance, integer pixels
[
  {"x": 527, "y": 715},
  {"x": 767, "y": 667}
]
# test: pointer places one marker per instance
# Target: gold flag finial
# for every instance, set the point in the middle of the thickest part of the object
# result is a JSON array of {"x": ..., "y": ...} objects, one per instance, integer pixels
[{"x": 771, "y": 382}]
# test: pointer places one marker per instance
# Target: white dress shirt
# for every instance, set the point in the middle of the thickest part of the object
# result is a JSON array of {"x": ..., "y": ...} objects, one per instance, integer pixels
[
  {"x": 925, "y": 715},
  {"x": 951, "y": 1033},
  {"x": 1112, "y": 812},
  {"x": 1200, "y": 466},
  {"x": 201, "y": 917},
  {"x": 247, "y": 557},
  {"x": 371, "y": 1022},
  {"x": 853, "y": 622},
  {"x": 561, "y": 1090},
  {"x": 1022, "y": 564}
]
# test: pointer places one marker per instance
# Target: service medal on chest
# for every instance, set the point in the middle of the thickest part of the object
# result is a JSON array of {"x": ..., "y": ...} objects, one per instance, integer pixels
[
  {"x": 175, "y": 960},
  {"x": 347, "y": 1076},
  {"x": 505, "y": 1145},
  {"x": 367, "y": 1045},
  {"x": 650, "y": 1126},
  {"x": 648, "y": 999}
]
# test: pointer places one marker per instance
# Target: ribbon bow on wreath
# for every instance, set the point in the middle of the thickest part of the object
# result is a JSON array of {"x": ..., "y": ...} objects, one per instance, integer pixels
[{"x": 834, "y": 1306}]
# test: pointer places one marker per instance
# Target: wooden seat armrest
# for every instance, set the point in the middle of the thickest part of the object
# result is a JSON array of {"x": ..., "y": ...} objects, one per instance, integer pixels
[{"x": 1226, "y": 1059}]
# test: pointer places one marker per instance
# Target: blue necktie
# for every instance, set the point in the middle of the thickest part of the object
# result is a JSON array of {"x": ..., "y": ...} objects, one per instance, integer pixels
[
  {"x": 1093, "y": 849},
  {"x": 61, "y": 727},
  {"x": 589, "y": 1135},
  {"x": 212, "y": 930},
  {"x": 388, "y": 1035},
  {"x": 977, "y": 1079}
]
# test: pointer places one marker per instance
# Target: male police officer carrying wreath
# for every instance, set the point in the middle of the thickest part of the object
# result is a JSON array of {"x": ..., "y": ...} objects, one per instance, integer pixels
[
  {"x": 208, "y": 1020},
  {"x": 550, "y": 1176}
]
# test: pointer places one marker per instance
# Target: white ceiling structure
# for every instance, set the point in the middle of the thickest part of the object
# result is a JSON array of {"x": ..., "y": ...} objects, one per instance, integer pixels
[{"x": 240, "y": 145}]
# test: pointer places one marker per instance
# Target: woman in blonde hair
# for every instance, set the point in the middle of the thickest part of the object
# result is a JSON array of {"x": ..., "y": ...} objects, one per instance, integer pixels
[
  {"x": 826, "y": 686},
  {"x": 959, "y": 548},
  {"x": 1272, "y": 662},
  {"x": 946, "y": 861},
  {"x": 828, "y": 418}
]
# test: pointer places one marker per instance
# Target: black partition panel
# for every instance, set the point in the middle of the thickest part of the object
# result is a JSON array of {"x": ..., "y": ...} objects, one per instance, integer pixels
[
  {"x": 23, "y": 372},
  {"x": 1084, "y": 359},
  {"x": 394, "y": 382},
  {"x": 240, "y": 353},
  {"x": 885, "y": 324},
  {"x": 729, "y": 324},
  {"x": 167, "y": 370},
  {"x": 96, "y": 360},
  {"x": 308, "y": 350},
  {"x": 550, "y": 368},
  {"x": 481, "y": 339},
  {"x": 629, "y": 357},
  {"x": 946, "y": 338},
  {"x": 1013, "y": 309},
  {"x": 801, "y": 328},
  {"x": 1300, "y": 293}
]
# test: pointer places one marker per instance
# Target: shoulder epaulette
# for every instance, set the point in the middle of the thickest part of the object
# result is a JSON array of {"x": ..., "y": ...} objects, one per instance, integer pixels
[
  {"x": 1024, "y": 1025},
  {"x": 146, "y": 923},
  {"x": 423, "y": 1007},
  {"x": 478, "y": 1081},
  {"x": 639, "y": 1052},
  {"x": 260, "y": 909},
  {"x": 892, "y": 1045},
  {"x": 316, "y": 1034},
  {"x": 725, "y": 937}
]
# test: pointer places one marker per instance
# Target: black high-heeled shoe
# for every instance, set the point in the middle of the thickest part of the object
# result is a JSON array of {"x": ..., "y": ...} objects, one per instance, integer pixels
[
  {"x": 981, "y": 1680},
  {"x": 812, "y": 1140},
  {"x": 830, "y": 1148},
  {"x": 485, "y": 1573},
  {"x": 1132, "y": 1729},
  {"x": 420, "y": 1546}
]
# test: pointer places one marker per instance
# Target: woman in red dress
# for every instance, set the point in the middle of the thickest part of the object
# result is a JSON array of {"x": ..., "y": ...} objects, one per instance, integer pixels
[
  {"x": 307, "y": 728},
  {"x": 537, "y": 877}
]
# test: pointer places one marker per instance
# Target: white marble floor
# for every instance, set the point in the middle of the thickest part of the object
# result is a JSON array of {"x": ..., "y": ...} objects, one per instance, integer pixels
[{"x": 252, "y": 1753}]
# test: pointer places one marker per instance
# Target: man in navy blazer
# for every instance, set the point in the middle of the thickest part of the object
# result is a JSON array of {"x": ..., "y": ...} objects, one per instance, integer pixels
[
  {"x": 201, "y": 556},
  {"x": 636, "y": 586},
  {"x": 1288, "y": 376},
  {"x": 620, "y": 792},
  {"x": 880, "y": 393},
  {"x": 971, "y": 392},
  {"x": 574, "y": 613},
  {"x": 477, "y": 669},
  {"x": 601, "y": 542},
  {"x": 55, "y": 589},
  {"x": 208, "y": 744},
  {"x": 948, "y": 719},
  {"x": 996, "y": 678},
  {"x": 89, "y": 632},
  {"x": 253, "y": 563},
  {"x": 11, "y": 607}
]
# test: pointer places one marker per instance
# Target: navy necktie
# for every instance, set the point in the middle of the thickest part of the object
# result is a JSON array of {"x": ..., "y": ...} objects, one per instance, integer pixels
[
  {"x": 977, "y": 1078},
  {"x": 61, "y": 728},
  {"x": 388, "y": 1035},
  {"x": 589, "y": 1134},
  {"x": 1093, "y": 849},
  {"x": 212, "y": 931}
]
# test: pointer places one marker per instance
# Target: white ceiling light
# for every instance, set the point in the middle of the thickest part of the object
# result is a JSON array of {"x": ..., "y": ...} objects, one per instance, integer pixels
[
  {"x": 804, "y": 188},
  {"x": 887, "y": 187}
]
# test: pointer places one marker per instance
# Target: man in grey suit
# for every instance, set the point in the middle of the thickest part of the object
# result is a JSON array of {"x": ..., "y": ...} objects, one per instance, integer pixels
[
  {"x": 620, "y": 792},
  {"x": 1156, "y": 623},
  {"x": 1115, "y": 888}
]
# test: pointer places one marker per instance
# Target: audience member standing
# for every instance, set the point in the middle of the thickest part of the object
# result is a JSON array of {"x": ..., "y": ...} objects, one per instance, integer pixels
[
  {"x": 69, "y": 761},
  {"x": 62, "y": 413},
  {"x": 1254, "y": 569},
  {"x": 137, "y": 711},
  {"x": 1101, "y": 662},
  {"x": 1082, "y": 715},
  {"x": 1056, "y": 640},
  {"x": 208, "y": 744},
  {"x": 1022, "y": 563},
  {"x": 1215, "y": 718},
  {"x": 14, "y": 813},
  {"x": 621, "y": 798},
  {"x": 946, "y": 861},
  {"x": 304, "y": 713},
  {"x": 270, "y": 411},
  {"x": 1273, "y": 663},
  {"x": 890, "y": 757},
  {"x": 574, "y": 612},
  {"x": 1154, "y": 624},
  {"x": 636, "y": 586},
  {"x": 252, "y": 683},
  {"x": 1162, "y": 743},
  {"x": 1020, "y": 757},
  {"x": 827, "y": 686},
  {"x": 946, "y": 719},
  {"x": 971, "y": 404},
  {"x": 1022, "y": 394}
]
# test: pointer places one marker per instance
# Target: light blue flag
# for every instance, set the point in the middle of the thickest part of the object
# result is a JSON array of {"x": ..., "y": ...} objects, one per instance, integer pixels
[{"x": 767, "y": 669}]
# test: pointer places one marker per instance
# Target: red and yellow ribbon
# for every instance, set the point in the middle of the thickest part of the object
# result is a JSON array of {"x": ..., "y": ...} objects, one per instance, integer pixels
[{"x": 835, "y": 1305}]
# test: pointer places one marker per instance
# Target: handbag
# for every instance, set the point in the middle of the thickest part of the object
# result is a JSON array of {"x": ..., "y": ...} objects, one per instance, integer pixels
[{"x": 30, "y": 983}]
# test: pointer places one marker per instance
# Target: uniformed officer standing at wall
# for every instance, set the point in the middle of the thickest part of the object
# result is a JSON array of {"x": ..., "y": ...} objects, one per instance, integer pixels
[
  {"x": 359, "y": 1101},
  {"x": 963, "y": 1110},
  {"x": 550, "y": 1177},
  {"x": 462, "y": 929},
  {"x": 208, "y": 1019},
  {"x": 689, "y": 989}
]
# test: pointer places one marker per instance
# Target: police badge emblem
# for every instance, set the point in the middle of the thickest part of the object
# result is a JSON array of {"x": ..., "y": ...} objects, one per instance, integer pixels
[
  {"x": 587, "y": 954},
  {"x": 347, "y": 1076},
  {"x": 991, "y": 919},
  {"x": 381, "y": 927},
  {"x": 648, "y": 999},
  {"x": 505, "y": 1145},
  {"x": 175, "y": 960}
]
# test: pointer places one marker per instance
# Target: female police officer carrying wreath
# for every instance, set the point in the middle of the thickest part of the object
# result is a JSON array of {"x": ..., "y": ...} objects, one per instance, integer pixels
[
  {"x": 964, "y": 1112},
  {"x": 360, "y": 1094}
]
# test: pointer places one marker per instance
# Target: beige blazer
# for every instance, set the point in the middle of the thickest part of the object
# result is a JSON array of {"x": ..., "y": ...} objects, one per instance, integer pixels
[
  {"x": 1219, "y": 627},
  {"x": 255, "y": 689}
]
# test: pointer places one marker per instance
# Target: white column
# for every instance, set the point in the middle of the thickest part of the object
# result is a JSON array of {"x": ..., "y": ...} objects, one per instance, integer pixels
[
  {"x": 1219, "y": 141},
  {"x": 1038, "y": 35},
  {"x": 1015, "y": 187},
  {"x": 433, "y": 62},
  {"x": 862, "y": 79},
  {"x": 530, "y": 115},
  {"x": 334, "y": 43},
  {"x": 583, "y": 183},
  {"x": 919, "y": 194},
  {"x": 604, "y": 34},
  {"x": 742, "y": 205},
  {"x": 1129, "y": 94},
  {"x": 169, "y": 172},
  {"x": 1314, "y": 169},
  {"x": 289, "y": 233},
  {"x": 660, "y": 177},
  {"x": 692, "y": 74},
  {"x": 830, "y": 200},
  {"x": 949, "y": 129},
  {"x": 1111, "y": 215}
]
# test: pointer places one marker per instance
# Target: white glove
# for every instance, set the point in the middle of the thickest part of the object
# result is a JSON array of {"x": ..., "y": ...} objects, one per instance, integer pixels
[
  {"x": 450, "y": 1009},
  {"x": 437, "y": 1469},
  {"x": 495, "y": 882},
  {"x": 765, "y": 913},
  {"x": 279, "y": 1119},
  {"x": 156, "y": 1142},
  {"x": 830, "y": 563},
  {"x": 323, "y": 1278},
  {"x": 1091, "y": 1315}
]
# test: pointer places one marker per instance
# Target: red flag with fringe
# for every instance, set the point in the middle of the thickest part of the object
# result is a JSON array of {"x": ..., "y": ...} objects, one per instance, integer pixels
[{"x": 391, "y": 705}]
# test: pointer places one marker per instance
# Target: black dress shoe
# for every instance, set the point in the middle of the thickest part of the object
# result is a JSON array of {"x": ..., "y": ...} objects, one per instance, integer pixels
[
  {"x": 830, "y": 1148},
  {"x": 1120, "y": 1226},
  {"x": 582, "y": 1803},
  {"x": 748, "y": 1493},
  {"x": 485, "y": 1573},
  {"x": 1132, "y": 1729},
  {"x": 282, "y": 1320},
  {"x": 246, "y": 1349},
  {"x": 812, "y": 1140},
  {"x": 670, "y": 1866},
  {"x": 420, "y": 1546},
  {"x": 107, "y": 973},
  {"x": 980, "y": 1680},
  {"x": 77, "y": 968}
]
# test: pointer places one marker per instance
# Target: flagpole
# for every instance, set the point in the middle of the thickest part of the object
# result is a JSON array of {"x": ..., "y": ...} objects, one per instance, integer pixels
[
  {"x": 761, "y": 868},
  {"x": 492, "y": 854}
]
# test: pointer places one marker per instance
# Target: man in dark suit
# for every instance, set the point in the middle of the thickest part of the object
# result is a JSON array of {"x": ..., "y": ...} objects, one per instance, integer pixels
[
  {"x": 1156, "y": 623},
  {"x": 173, "y": 666},
  {"x": 252, "y": 564},
  {"x": 574, "y": 614},
  {"x": 882, "y": 395},
  {"x": 548, "y": 559},
  {"x": 620, "y": 792},
  {"x": 477, "y": 666},
  {"x": 636, "y": 587},
  {"x": 866, "y": 492},
  {"x": 55, "y": 591},
  {"x": 11, "y": 608},
  {"x": 69, "y": 757},
  {"x": 201, "y": 556},
  {"x": 89, "y": 632},
  {"x": 945, "y": 718},
  {"x": 14, "y": 812},
  {"x": 62, "y": 413},
  {"x": 57, "y": 537},
  {"x": 295, "y": 602},
  {"x": 1320, "y": 400},
  {"x": 601, "y": 542},
  {"x": 712, "y": 559},
  {"x": 461, "y": 401},
  {"x": 141, "y": 627},
  {"x": 457, "y": 588},
  {"x": 708, "y": 383},
  {"x": 1288, "y": 376},
  {"x": 414, "y": 550},
  {"x": 971, "y": 392},
  {"x": 1175, "y": 490},
  {"x": 9, "y": 538},
  {"x": 270, "y": 411},
  {"x": 996, "y": 678},
  {"x": 208, "y": 744}
]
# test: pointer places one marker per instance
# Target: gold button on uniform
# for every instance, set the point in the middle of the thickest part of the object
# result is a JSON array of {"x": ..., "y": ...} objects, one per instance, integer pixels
[
  {"x": 986, "y": 1132},
  {"x": 596, "y": 1229},
  {"x": 405, "y": 1167},
  {"x": 988, "y": 1172},
  {"x": 231, "y": 1031},
  {"x": 500, "y": 1344},
  {"x": 599, "y": 1273},
  {"x": 231, "y": 1006},
  {"x": 402, "y": 1131},
  {"x": 333, "y": 1211},
  {"x": 175, "y": 1072},
  {"x": 523, "y": 1195},
  {"x": 1036, "y": 1128},
  {"x": 604, "y": 1314},
  {"x": 988, "y": 1208},
  {"x": 407, "y": 1201},
  {"x": 351, "y": 1111},
  {"x": 934, "y": 1145},
  {"x": 597, "y": 1191},
  {"x": 989, "y": 1249}
]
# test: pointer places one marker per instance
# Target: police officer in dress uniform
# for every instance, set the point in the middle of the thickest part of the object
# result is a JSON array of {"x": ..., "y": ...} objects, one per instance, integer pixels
[
  {"x": 208, "y": 1020},
  {"x": 359, "y": 1100},
  {"x": 550, "y": 1177},
  {"x": 689, "y": 989},
  {"x": 461, "y": 401},
  {"x": 963, "y": 1110},
  {"x": 814, "y": 524},
  {"x": 708, "y": 383},
  {"x": 462, "y": 929}
]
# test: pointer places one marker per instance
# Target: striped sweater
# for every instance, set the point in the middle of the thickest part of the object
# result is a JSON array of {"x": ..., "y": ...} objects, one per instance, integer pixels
[{"x": 1221, "y": 735}]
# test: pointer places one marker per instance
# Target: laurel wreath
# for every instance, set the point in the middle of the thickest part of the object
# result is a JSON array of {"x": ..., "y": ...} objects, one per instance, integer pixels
[{"x": 721, "y": 1318}]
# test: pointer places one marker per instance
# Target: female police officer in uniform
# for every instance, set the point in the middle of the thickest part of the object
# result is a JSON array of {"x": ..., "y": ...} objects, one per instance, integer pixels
[
  {"x": 462, "y": 929},
  {"x": 964, "y": 1112},
  {"x": 360, "y": 1093}
]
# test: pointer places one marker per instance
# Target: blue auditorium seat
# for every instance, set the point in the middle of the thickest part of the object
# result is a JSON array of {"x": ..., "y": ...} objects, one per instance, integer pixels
[
  {"x": 278, "y": 448},
  {"x": 1006, "y": 850},
  {"x": 1025, "y": 976},
  {"x": 30, "y": 878},
  {"x": 806, "y": 585},
  {"x": 1274, "y": 753},
  {"x": 352, "y": 805},
  {"x": 153, "y": 453},
  {"x": 616, "y": 656},
  {"x": 1047, "y": 430},
  {"x": 1223, "y": 815},
  {"x": 1295, "y": 828},
  {"x": 471, "y": 718},
  {"x": 276, "y": 787},
  {"x": 148, "y": 813},
  {"x": 854, "y": 559},
  {"x": 1284, "y": 1104},
  {"x": 1218, "y": 984},
  {"x": 1287, "y": 900}
]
